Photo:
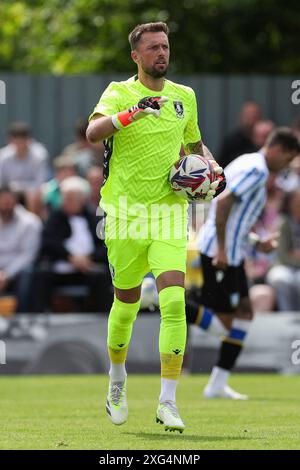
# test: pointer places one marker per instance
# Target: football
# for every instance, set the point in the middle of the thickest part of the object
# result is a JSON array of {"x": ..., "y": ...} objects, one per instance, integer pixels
[{"x": 191, "y": 177}]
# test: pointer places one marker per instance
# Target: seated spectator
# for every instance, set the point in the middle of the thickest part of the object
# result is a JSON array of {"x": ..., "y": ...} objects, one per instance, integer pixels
[
  {"x": 240, "y": 140},
  {"x": 285, "y": 276},
  {"x": 71, "y": 253},
  {"x": 83, "y": 153},
  {"x": 23, "y": 163},
  {"x": 63, "y": 168},
  {"x": 262, "y": 298},
  {"x": 95, "y": 178},
  {"x": 20, "y": 233}
]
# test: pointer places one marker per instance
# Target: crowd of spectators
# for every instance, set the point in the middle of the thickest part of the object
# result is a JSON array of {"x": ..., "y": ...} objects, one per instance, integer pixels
[
  {"x": 274, "y": 278},
  {"x": 48, "y": 238},
  {"x": 48, "y": 241}
]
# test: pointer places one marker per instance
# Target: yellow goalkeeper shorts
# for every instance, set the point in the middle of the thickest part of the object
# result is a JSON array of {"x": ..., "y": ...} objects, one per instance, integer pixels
[{"x": 137, "y": 247}]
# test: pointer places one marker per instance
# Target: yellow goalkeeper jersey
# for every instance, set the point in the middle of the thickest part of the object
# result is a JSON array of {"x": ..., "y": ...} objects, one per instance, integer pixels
[{"x": 139, "y": 157}]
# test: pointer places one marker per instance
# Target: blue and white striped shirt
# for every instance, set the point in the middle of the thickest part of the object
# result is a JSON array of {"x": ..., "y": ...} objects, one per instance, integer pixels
[{"x": 246, "y": 178}]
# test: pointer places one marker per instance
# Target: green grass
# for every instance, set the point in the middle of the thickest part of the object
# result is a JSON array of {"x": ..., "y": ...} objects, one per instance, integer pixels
[{"x": 68, "y": 412}]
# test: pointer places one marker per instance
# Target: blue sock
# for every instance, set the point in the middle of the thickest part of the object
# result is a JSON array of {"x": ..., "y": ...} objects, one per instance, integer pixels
[
  {"x": 239, "y": 330},
  {"x": 233, "y": 343},
  {"x": 206, "y": 319},
  {"x": 210, "y": 323}
]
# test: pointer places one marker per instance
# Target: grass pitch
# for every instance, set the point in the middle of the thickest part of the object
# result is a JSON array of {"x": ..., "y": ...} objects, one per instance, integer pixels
[{"x": 68, "y": 412}]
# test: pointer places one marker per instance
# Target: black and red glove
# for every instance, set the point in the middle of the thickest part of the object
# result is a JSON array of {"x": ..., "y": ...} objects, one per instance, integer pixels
[{"x": 145, "y": 107}]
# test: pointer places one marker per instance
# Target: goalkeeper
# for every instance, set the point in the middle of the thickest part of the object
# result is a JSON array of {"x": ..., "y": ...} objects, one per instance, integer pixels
[{"x": 146, "y": 122}]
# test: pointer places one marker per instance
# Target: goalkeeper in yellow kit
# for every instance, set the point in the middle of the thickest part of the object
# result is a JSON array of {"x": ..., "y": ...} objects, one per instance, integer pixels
[{"x": 146, "y": 121}]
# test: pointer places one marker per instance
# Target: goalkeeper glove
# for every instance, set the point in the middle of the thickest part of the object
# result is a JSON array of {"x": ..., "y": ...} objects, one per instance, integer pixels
[
  {"x": 148, "y": 105},
  {"x": 220, "y": 177},
  {"x": 217, "y": 186}
]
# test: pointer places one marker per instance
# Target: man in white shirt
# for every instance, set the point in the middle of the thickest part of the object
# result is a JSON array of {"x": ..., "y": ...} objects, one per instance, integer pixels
[
  {"x": 225, "y": 305},
  {"x": 23, "y": 162},
  {"x": 20, "y": 233}
]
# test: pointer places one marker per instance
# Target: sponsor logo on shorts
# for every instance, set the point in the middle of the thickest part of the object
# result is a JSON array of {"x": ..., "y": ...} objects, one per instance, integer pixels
[
  {"x": 220, "y": 276},
  {"x": 234, "y": 299}
]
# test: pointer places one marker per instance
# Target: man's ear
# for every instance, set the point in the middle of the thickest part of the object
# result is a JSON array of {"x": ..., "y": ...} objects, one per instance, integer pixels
[{"x": 134, "y": 56}]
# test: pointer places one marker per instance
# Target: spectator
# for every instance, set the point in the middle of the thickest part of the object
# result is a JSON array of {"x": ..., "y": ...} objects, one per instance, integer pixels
[
  {"x": 258, "y": 264},
  {"x": 37, "y": 147},
  {"x": 263, "y": 298},
  {"x": 95, "y": 178},
  {"x": 74, "y": 254},
  {"x": 289, "y": 180},
  {"x": 63, "y": 168},
  {"x": 240, "y": 140},
  {"x": 261, "y": 131},
  {"x": 285, "y": 276},
  {"x": 83, "y": 153},
  {"x": 23, "y": 163},
  {"x": 19, "y": 242}
]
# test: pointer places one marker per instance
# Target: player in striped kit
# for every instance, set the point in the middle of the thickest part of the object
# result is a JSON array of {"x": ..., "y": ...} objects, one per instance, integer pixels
[{"x": 225, "y": 306}]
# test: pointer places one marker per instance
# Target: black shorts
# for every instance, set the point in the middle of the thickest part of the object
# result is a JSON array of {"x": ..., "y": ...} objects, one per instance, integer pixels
[{"x": 222, "y": 290}]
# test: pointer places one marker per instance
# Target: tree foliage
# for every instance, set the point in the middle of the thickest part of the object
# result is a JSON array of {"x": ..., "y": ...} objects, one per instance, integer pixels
[{"x": 207, "y": 36}]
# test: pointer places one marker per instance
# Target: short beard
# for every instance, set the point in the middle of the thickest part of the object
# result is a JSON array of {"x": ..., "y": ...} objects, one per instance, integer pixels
[{"x": 154, "y": 73}]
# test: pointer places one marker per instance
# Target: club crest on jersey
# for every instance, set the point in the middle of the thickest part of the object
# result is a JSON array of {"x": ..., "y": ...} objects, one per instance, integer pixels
[{"x": 178, "y": 106}]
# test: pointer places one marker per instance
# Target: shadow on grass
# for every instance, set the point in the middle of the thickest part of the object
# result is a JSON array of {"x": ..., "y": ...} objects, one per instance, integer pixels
[{"x": 187, "y": 437}]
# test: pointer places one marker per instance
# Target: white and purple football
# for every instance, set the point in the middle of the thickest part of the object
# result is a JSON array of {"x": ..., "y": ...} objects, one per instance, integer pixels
[{"x": 191, "y": 177}]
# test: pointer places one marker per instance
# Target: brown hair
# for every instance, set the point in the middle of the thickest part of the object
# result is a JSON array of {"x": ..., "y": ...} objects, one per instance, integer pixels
[
  {"x": 285, "y": 137},
  {"x": 19, "y": 129},
  {"x": 136, "y": 34}
]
